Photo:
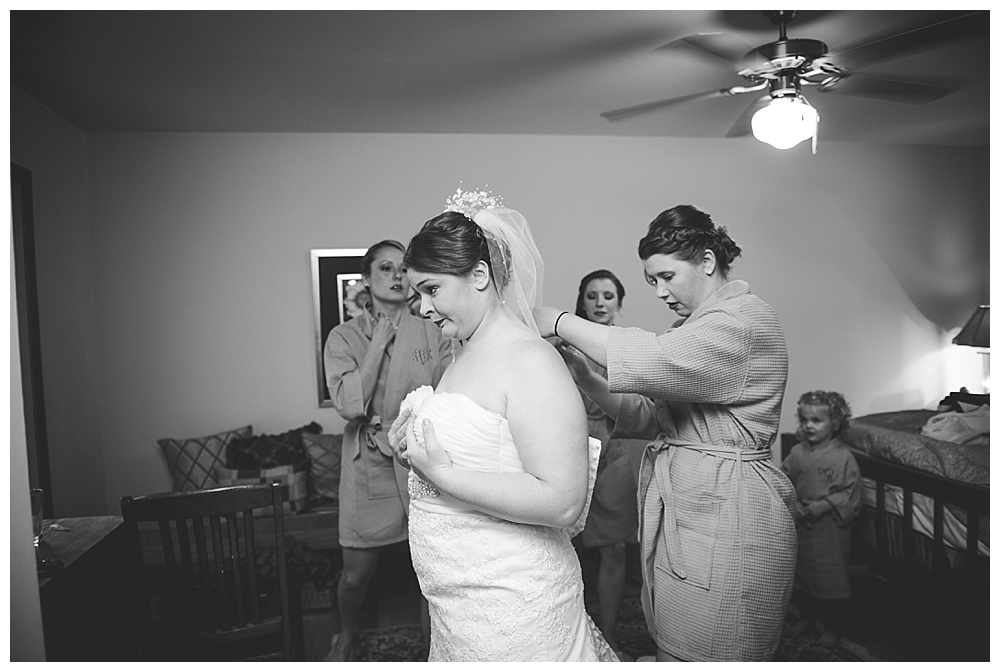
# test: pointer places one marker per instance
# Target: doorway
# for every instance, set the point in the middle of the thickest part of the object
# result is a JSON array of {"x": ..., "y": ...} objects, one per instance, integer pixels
[{"x": 22, "y": 225}]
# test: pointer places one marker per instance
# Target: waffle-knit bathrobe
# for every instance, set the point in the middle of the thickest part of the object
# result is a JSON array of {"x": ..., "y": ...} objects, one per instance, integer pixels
[
  {"x": 373, "y": 487},
  {"x": 716, "y": 516}
]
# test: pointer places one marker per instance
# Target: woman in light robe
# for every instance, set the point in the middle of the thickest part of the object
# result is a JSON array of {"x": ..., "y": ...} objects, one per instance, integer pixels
[
  {"x": 372, "y": 362},
  {"x": 612, "y": 521},
  {"x": 717, "y": 524}
]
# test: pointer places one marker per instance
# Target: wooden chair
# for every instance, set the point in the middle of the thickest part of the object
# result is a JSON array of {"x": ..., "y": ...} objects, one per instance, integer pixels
[{"x": 210, "y": 601}]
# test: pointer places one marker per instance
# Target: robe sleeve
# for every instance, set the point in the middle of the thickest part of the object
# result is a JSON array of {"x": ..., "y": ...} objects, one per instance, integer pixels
[
  {"x": 640, "y": 418},
  {"x": 343, "y": 380},
  {"x": 788, "y": 465},
  {"x": 706, "y": 361},
  {"x": 846, "y": 499}
]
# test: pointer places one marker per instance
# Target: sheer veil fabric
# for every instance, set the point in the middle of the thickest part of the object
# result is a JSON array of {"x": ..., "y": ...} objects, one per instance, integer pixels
[{"x": 514, "y": 256}]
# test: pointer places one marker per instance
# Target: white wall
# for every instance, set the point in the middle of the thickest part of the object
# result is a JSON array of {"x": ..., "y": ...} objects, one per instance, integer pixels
[
  {"x": 175, "y": 268},
  {"x": 201, "y": 250}
]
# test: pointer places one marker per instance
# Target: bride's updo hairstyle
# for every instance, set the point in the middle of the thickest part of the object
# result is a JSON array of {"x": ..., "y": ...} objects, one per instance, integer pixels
[
  {"x": 687, "y": 232},
  {"x": 452, "y": 244}
]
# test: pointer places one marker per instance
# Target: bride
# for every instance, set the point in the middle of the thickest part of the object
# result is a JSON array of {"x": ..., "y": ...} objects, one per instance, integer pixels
[{"x": 499, "y": 456}]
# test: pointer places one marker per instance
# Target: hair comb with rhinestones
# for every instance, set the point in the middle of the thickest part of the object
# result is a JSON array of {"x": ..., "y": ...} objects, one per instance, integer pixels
[{"x": 469, "y": 203}]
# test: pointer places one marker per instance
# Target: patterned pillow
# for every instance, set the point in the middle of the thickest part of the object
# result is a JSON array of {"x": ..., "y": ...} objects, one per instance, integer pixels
[
  {"x": 324, "y": 456},
  {"x": 192, "y": 461},
  {"x": 294, "y": 483},
  {"x": 269, "y": 450}
]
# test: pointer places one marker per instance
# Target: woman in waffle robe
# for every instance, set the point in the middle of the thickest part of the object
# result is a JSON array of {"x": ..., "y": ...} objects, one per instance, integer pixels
[{"x": 717, "y": 525}]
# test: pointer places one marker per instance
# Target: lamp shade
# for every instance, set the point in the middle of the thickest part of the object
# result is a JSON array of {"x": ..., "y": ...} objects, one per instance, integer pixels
[
  {"x": 976, "y": 331},
  {"x": 785, "y": 122}
]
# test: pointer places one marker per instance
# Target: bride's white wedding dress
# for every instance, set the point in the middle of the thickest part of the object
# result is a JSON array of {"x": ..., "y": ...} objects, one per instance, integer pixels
[{"x": 497, "y": 590}]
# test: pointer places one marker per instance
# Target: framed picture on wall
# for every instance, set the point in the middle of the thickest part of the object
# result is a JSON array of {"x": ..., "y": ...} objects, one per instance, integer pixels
[{"x": 338, "y": 296}]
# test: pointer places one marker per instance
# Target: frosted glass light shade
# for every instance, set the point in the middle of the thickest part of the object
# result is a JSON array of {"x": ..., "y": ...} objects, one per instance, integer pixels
[{"x": 785, "y": 122}]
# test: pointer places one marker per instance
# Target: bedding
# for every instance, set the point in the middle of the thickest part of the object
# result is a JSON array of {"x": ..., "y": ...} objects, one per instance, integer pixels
[{"x": 898, "y": 437}]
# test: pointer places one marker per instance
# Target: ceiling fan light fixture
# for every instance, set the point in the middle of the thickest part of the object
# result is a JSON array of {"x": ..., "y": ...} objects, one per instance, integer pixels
[{"x": 785, "y": 122}]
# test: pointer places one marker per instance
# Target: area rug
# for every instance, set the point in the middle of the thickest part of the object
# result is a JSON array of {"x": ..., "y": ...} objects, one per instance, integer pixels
[{"x": 403, "y": 643}]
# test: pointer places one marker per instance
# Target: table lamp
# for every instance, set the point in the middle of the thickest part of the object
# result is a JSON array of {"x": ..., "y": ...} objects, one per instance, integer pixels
[{"x": 976, "y": 333}]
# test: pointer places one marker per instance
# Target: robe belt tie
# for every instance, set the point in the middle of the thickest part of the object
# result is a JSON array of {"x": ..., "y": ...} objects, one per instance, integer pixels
[
  {"x": 374, "y": 435},
  {"x": 657, "y": 512}
]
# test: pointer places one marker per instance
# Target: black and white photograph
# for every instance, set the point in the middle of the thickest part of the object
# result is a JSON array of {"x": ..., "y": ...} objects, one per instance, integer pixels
[
  {"x": 525, "y": 334},
  {"x": 339, "y": 294}
]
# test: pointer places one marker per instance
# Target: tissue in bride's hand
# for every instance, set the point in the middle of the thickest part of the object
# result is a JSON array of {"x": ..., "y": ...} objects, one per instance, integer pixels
[{"x": 413, "y": 401}]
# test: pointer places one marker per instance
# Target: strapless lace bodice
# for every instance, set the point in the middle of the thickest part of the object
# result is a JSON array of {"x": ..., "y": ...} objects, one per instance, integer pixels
[{"x": 476, "y": 439}]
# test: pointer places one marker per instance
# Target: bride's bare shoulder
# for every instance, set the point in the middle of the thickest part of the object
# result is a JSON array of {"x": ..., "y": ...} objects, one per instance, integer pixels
[{"x": 531, "y": 355}]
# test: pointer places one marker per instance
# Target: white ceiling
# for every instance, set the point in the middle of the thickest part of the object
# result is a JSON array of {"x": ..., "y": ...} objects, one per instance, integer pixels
[{"x": 524, "y": 72}]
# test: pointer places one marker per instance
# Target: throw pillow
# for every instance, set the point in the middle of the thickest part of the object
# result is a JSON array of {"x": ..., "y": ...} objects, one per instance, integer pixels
[
  {"x": 192, "y": 462},
  {"x": 269, "y": 450},
  {"x": 294, "y": 483},
  {"x": 324, "y": 459}
]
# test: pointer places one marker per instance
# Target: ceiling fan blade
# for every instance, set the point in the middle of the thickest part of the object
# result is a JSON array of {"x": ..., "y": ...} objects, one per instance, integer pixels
[
  {"x": 946, "y": 28},
  {"x": 915, "y": 90},
  {"x": 625, "y": 112},
  {"x": 742, "y": 125},
  {"x": 721, "y": 45}
]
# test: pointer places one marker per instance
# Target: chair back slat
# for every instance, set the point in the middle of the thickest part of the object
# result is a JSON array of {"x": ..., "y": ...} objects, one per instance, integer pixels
[
  {"x": 219, "y": 561},
  {"x": 279, "y": 533},
  {"x": 248, "y": 535},
  {"x": 235, "y": 562},
  {"x": 208, "y": 592},
  {"x": 168, "y": 546},
  {"x": 184, "y": 541},
  {"x": 199, "y": 543}
]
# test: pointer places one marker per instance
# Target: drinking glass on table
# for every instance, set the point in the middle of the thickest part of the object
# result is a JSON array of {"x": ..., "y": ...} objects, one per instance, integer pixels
[{"x": 36, "y": 513}]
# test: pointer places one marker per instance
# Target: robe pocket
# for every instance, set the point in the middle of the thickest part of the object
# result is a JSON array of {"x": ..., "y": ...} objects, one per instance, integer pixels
[
  {"x": 697, "y": 522},
  {"x": 379, "y": 474}
]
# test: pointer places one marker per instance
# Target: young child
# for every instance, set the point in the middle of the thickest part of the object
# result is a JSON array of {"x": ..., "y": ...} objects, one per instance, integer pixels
[{"x": 828, "y": 491}]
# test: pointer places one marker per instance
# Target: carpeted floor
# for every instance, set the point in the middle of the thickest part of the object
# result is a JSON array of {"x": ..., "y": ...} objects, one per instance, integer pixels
[
  {"x": 403, "y": 643},
  {"x": 888, "y": 623}
]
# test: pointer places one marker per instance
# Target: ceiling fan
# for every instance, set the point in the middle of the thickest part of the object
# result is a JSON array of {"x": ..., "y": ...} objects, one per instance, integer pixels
[{"x": 783, "y": 117}]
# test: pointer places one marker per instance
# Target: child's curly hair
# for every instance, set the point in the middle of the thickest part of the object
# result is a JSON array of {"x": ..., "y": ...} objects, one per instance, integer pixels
[{"x": 840, "y": 410}]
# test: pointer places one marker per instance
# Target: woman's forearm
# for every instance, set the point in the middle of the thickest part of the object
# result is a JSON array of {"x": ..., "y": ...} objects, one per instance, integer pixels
[
  {"x": 369, "y": 371},
  {"x": 588, "y": 337},
  {"x": 597, "y": 390},
  {"x": 517, "y": 497}
]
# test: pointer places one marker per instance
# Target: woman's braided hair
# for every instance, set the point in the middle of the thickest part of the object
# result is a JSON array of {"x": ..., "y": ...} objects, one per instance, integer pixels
[{"x": 687, "y": 232}]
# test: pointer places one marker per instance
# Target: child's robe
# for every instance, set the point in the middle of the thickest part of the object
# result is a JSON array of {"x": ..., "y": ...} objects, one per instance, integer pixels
[{"x": 829, "y": 473}]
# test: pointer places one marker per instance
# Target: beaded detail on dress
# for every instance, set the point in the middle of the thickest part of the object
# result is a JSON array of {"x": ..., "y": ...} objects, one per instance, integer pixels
[{"x": 419, "y": 488}]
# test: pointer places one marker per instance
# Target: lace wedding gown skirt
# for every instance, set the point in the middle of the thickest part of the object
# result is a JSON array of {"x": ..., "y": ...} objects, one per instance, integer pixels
[{"x": 497, "y": 590}]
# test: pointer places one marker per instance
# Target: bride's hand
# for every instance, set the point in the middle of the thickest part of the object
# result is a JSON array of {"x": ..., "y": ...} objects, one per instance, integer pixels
[
  {"x": 397, "y": 435},
  {"x": 427, "y": 458}
]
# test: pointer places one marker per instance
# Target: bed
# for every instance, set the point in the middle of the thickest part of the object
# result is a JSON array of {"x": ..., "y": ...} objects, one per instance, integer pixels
[{"x": 926, "y": 514}]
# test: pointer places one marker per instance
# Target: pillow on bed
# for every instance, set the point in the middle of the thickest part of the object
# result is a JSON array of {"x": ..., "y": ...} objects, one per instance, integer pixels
[
  {"x": 193, "y": 462},
  {"x": 269, "y": 450},
  {"x": 293, "y": 478}
]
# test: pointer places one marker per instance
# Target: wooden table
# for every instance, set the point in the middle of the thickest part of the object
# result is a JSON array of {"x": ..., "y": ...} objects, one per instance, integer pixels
[{"x": 84, "y": 613}]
